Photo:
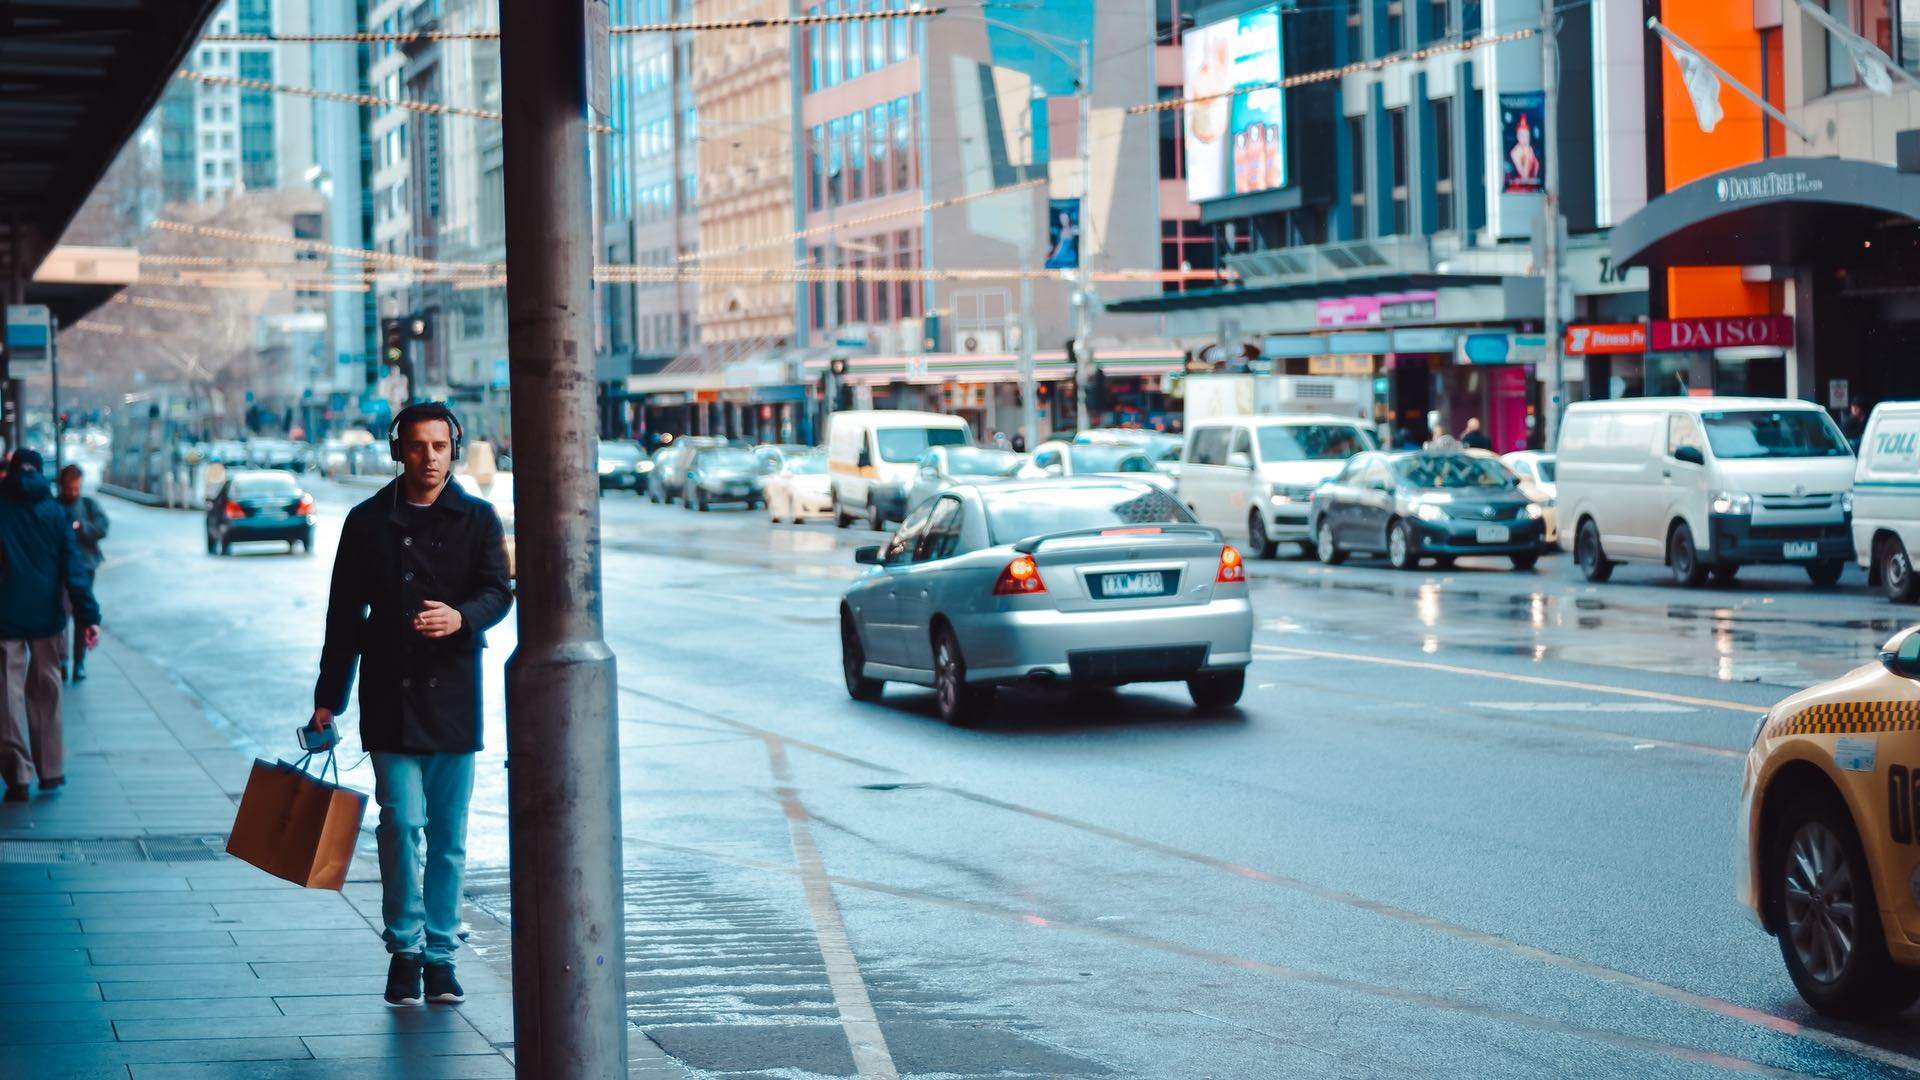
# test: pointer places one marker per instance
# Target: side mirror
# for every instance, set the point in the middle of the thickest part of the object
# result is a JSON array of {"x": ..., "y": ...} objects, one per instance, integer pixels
[
  {"x": 1904, "y": 661},
  {"x": 1237, "y": 460},
  {"x": 866, "y": 458},
  {"x": 1691, "y": 455},
  {"x": 868, "y": 555}
]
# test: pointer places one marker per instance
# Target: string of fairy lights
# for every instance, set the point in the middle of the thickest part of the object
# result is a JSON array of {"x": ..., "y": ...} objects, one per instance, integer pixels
[
  {"x": 773, "y": 22},
  {"x": 430, "y": 108}
]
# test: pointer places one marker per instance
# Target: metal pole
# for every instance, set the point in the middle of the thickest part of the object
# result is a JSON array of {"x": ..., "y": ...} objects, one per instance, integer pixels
[
  {"x": 1083, "y": 295},
  {"x": 563, "y": 785},
  {"x": 1029, "y": 408},
  {"x": 53, "y": 371},
  {"x": 1550, "y": 245}
]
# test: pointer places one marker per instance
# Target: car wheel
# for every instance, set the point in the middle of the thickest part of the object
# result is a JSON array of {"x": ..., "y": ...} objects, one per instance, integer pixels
[
  {"x": 1328, "y": 551},
  {"x": 1444, "y": 562},
  {"x": 960, "y": 704},
  {"x": 1825, "y": 573},
  {"x": 1820, "y": 890},
  {"x": 1257, "y": 542},
  {"x": 853, "y": 661},
  {"x": 1724, "y": 573},
  {"x": 1524, "y": 561},
  {"x": 1594, "y": 564},
  {"x": 1688, "y": 571},
  {"x": 700, "y": 500},
  {"x": 1897, "y": 578},
  {"x": 1402, "y": 551},
  {"x": 1219, "y": 690},
  {"x": 874, "y": 520}
]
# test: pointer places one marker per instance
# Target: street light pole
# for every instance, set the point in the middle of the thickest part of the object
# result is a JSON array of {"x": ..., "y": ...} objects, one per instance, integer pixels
[
  {"x": 1550, "y": 244},
  {"x": 1083, "y": 277},
  {"x": 563, "y": 784}
]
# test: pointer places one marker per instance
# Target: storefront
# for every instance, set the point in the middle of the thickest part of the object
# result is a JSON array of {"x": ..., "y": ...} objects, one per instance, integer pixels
[{"x": 1836, "y": 243}]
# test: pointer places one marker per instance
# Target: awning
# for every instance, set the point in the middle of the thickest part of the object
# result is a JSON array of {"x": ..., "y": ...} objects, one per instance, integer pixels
[{"x": 1794, "y": 211}]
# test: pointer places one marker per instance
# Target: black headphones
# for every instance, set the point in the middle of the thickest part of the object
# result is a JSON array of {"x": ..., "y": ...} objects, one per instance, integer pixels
[{"x": 425, "y": 410}]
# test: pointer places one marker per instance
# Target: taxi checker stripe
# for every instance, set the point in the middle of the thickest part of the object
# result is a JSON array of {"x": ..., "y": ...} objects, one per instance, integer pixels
[{"x": 1849, "y": 718}]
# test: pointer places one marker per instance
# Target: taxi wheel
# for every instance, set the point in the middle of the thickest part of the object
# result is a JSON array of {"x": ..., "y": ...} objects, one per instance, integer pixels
[
  {"x": 1217, "y": 691},
  {"x": 853, "y": 661},
  {"x": 1828, "y": 923},
  {"x": 1257, "y": 542},
  {"x": 1324, "y": 546},
  {"x": 1825, "y": 573},
  {"x": 1594, "y": 564},
  {"x": 960, "y": 704},
  {"x": 1402, "y": 551},
  {"x": 1896, "y": 570},
  {"x": 1688, "y": 571}
]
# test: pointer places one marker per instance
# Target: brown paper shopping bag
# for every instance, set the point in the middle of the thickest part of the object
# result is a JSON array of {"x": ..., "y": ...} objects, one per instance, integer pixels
[{"x": 295, "y": 825}]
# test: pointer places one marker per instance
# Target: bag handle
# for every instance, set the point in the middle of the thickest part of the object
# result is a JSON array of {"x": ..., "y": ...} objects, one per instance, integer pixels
[{"x": 321, "y": 775}]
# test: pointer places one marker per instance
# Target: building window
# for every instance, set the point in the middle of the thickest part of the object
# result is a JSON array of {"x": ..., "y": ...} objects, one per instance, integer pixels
[
  {"x": 1185, "y": 245},
  {"x": 1443, "y": 164},
  {"x": 1172, "y": 163},
  {"x": 882, "y": 291},
  {"x": 902, "y": 33},
  {"x": 1872, "y": 20},
  {"x": 1910, "y": 34},
  {"x": 1356, "y": 26},
  {"x": 1396, "y": 26},
  {"x": 836, "y": 157},
  {"x": 856, "y": 156},
  {"x": 1357, "y": 167},
  {"x": 1439, "y": 18},
  {"x": 906, "y": 256},
  {"x": 877, "y": 39},
  {"x": 816, "y": 165},
  {"x": 902, "y": 144},
  {"x": 814, "y": 41},
  {"x": 1397, "y": 147},
  {"x": 832, "y": 52},
  {"x": 877, "y": 147},
  {"x": 1172, "y": 18}
]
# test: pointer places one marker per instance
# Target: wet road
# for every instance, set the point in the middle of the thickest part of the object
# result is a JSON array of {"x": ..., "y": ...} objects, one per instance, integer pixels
[{"x": 1465, "y": 823}]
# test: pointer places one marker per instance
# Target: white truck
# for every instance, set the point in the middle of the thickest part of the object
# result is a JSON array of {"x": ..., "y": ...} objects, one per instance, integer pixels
[{"x": 1211, "y": 396}]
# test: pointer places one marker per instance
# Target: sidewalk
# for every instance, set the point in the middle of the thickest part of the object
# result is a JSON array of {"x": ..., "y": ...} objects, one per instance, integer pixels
[{"x": 135, "y": 948}]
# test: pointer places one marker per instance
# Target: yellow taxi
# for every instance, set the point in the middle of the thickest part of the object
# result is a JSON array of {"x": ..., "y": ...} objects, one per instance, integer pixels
[{"x": 1830, "y": 831}]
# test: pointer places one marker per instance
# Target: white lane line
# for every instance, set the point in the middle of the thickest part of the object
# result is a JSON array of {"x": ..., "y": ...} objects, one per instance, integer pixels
[
  {"x": 1583, "y": 706},
  {"x": 850, "y": 998}
]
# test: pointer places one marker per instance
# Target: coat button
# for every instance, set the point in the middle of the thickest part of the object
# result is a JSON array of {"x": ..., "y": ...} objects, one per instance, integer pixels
[
  {"x": 432, "y": 683},
  {"x": 408, "y": 576},
  {"x": 406, "y": 684},
  {"x": 406, "y": 541}
]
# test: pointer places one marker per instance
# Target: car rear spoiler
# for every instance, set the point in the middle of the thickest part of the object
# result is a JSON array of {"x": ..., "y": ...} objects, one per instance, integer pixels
[{"x": 1028, "y": 545}]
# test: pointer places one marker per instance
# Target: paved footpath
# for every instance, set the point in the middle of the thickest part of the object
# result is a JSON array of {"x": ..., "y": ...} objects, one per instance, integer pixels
[{"x": 135, "y": 948}]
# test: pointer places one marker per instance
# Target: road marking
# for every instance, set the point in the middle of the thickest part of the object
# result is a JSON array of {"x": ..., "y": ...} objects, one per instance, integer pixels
[
  {"x": 1728, "y": 1009},
  {"x": 1583, "y": 706},
  {"x": 850, "y": 998},
  {"x": 1507, "y": 676}
]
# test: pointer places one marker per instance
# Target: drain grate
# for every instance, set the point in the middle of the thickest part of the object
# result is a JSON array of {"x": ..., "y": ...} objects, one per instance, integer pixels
[{"x": 141, "y": 849}]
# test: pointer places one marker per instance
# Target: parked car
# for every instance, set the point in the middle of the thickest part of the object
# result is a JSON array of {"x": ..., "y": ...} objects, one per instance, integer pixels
[
  {"x": 1056, "y": 458},
  {"x": 722, "y": 474},
  {"x": 1426, "y": 504},
  {"x": 259, "y": 504},
  {"x": 872, "y": 457},
  {"x": 1886, "y": 499},
  {"x": 336, "y": 458},
  {"x": 622, "y": 465},
  {"x": 673, "y": 469},
  {"x": 374, "y": 459},
  {"x": 1535, "y": 469},
  {"x": 798, "y": 488},
  {"x": 656, "y": 476},
  {"x": 1098, "y": 581},
  {"x": 1257, "y": 474},
  {"x": 1706, "y": 485},
  {"x": 945, "y": 465},
  {"x": 1162, "y": 446},
  {"x": 770, "y": 455}
]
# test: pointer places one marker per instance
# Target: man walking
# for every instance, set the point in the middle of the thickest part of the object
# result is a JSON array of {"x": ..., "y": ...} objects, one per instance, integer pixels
[
  {"x": 42, "y": 573},
  {"x": 89, "y": 528},
  {"x": 421, "y": 574}
]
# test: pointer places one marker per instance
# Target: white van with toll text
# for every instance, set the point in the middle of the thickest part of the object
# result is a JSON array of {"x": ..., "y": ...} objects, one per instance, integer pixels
[
  {"x": 873, "y": 455},
  {"x": 1886, "y": 499},
  {"x": 1705, "y": 485}
]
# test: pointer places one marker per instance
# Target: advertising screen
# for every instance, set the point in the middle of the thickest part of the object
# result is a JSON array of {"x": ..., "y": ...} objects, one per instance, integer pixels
[{"x": 1236, "y": 139}]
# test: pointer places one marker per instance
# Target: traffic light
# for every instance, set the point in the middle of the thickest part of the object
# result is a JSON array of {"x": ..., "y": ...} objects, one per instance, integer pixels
[{"x": 393, "y": 339}]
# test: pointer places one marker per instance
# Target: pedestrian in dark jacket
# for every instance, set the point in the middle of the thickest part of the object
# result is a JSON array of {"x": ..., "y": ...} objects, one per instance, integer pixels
[
  {"x": 89, "y": 528},
  {"x": 420, "y": 575},
  {"x": 42, "y": 574}
]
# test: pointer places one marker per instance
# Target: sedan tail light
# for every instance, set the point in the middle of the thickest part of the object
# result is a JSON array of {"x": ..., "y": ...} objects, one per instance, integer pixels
[
  {"x": 304, "y": 506},
  {"x": 1020, "y": 578},
  {"x": 234, "y": 510},
  {"x": 1231, "y": 568}
]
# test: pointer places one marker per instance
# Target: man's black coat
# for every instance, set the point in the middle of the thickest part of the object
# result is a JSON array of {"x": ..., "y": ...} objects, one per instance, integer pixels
[{"x": 418, "y": 695}]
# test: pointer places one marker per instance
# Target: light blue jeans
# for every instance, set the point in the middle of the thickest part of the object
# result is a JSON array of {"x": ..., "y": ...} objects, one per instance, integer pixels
[{"x": 422, "y": 794}]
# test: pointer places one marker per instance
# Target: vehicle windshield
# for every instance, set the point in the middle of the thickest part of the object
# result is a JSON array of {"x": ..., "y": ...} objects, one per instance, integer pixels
[
  {"x": 625, "y": 453},
  {"x": 1544, "y": 467},
  {"x": 1452, "y": 471},
  {"x": 1311, "y": 442},
  {"x": 726, "y": 459},
  {"x": 260, "y": 487},
  {"x": 974, "y": 461},
  {"x": 807, "y": 464},
  {"x": 1032, "y": 511},
  {"x": 906, "y": 444},
  {"x": 1788, "y": 433},
  {"x": 1109, "y": 459}
]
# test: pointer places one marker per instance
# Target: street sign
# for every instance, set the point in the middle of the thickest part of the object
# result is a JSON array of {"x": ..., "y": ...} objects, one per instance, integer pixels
[{"x": 29, "y": 340}]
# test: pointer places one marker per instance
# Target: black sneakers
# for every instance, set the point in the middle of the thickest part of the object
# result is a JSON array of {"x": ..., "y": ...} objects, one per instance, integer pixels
[
  {"x": 403, "y": 979},
  {"x": 18, "y": 792},
  {"x": 442, "y": 986}
]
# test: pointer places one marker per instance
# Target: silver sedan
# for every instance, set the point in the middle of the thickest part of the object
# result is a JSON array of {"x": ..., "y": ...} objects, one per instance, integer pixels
[{"x": 1094, "y": 581}]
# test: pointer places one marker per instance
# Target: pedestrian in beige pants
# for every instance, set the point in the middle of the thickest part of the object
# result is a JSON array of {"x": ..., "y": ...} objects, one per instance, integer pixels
[{"x": 42, "y": 573}]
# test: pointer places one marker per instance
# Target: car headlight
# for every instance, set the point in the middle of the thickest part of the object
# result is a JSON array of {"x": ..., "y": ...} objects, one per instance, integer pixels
[
  {"x": 1291, "y": 493},
  {"x": 606, "y": 467},
  {"x": 1846, "y": 502},
  {"x": 1535, "y": 511},
  {"x": 643, "y": 467},
  {"x": 1732, "y": 502},
  {"x": 1427, "y": 511}
]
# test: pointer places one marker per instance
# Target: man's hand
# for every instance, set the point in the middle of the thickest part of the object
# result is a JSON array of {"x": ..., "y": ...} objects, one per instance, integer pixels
[
  {"x": 437, "y": 620},
  {"x": 91, "y": 635},
  {"x": 322, "y": 719}
]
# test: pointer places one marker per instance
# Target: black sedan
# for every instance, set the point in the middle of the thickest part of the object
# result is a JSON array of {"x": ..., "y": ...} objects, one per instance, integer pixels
[
  {"x": 259, "y": 504},
  {"x": 1437, "y": 505},
  {"x": 722, "y": 474},
  {"x": 623, "y": 466}
]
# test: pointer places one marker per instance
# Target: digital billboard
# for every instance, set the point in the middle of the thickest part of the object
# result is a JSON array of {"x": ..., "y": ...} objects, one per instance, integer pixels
[{"x": 1236, "y": 138}]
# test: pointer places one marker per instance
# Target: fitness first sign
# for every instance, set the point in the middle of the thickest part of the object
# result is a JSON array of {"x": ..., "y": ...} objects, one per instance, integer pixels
[{"x": 1766, "y": 185}]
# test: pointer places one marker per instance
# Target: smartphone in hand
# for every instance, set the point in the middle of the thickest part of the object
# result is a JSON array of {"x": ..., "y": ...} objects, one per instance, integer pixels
[{"x": 313, "y": 741}]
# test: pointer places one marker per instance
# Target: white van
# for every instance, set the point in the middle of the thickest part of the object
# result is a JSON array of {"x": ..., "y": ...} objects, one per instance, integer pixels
[
  {"x": 1257, "y": 473},
  {"x": 1886, "y": 498},
  {"x": 1705, "y": 485},
  {"x": 872, "y": 455}
]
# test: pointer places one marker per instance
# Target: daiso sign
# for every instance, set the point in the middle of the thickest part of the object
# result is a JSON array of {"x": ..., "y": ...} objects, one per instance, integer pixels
[{"x": 1719, "y": 332}]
